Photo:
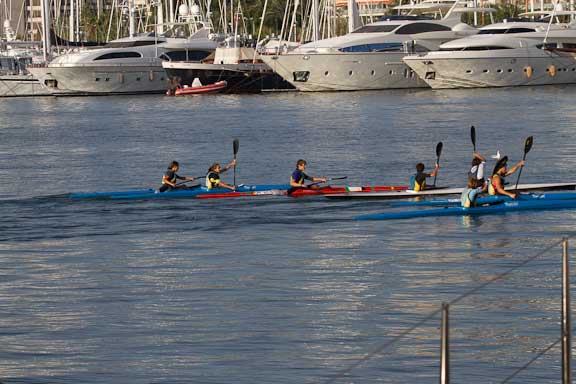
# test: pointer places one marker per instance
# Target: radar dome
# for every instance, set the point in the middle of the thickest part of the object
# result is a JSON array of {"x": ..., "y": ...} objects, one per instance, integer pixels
[
  {"x": 195, "y": 9},
  {"x": 6, "y": 23},
  {"x": 183, "y": 10}
]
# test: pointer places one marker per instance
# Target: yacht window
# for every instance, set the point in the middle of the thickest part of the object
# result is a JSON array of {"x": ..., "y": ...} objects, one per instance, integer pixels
[
  {"x": 130, "y": 44},
  {"x": 118, "y": 55},
  {"x": 376, "y": 28},
  {"x": 415, "y": 28},
  {"x": 190, "y": 55},
  {"x": 381, "y": 47},
  {"x": 484, "y": 48},
  {"x": 500, "y": 31},
  {"x": 547, "y": 46}
]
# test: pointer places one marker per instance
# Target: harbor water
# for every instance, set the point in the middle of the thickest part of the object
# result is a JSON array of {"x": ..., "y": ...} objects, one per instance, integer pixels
[{"x": 275, "y": 289}]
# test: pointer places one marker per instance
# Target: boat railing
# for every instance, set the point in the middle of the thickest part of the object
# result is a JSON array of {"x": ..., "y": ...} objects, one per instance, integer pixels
[{"x": 564, "y": 339}]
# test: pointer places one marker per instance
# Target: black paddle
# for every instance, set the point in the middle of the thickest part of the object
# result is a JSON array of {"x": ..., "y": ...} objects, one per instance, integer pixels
[
  {"x": 189, "y": 181},
  {"x": 527, "y": 146},
  {"x": 235, "y": 146},
  {"x": 438, "y": 153},
  {"x": 473, "y": 137}
]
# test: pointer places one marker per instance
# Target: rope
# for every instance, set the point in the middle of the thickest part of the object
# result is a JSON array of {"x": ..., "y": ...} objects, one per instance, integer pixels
[{"x": 544, "y": 351}]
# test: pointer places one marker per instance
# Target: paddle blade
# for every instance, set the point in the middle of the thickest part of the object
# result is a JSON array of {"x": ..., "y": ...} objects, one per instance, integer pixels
[
  {"x": 439, "y": 149},
  {"x": 502, "y": 162},
  {"x": 473, "y": 137},
  {"x": 528, "y": 144},
  {"x": 235, "y": 146}
]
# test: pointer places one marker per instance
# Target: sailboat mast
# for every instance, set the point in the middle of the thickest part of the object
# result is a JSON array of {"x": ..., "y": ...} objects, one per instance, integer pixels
[{"x": 46, "y": 23}]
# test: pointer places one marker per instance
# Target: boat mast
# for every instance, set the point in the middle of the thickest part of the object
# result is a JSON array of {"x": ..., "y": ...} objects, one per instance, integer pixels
[
  {"x": 46, "y": 23},
  {"x": 71, "y": 26},
  {"x": 352, "y": 16},
  {"x": 131, "y": 18},
  {"x": 315, "y": 21}
]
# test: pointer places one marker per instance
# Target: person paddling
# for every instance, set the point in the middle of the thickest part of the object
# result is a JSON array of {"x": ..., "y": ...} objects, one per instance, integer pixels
[
  {"x": 470, "y": 194},
  {"x": 298, "y": 178},
  {"x": 477, "y": 169},
  {"x": 497, "y": 181},
  {"x": 418, "y": 180},
  {"x": 170, "y": 177},
  {"x": 213, "y": 176}
]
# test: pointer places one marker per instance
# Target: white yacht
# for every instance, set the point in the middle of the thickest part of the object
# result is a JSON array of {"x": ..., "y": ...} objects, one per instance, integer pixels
[
  {"x": 124, "y": 66},
  {"x": 502, "y": 55},
  {"x": 371, "y": 56}
]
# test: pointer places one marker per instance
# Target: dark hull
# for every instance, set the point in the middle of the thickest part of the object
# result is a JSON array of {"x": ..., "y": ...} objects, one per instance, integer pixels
[{"x": 238, "y": 81}]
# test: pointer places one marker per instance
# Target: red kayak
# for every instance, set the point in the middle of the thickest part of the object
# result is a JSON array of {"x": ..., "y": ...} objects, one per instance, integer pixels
[
  {"x": 337, "y": 190},
  {"x": 306, "y": 192},
  {"x": 212, "y": 88}
]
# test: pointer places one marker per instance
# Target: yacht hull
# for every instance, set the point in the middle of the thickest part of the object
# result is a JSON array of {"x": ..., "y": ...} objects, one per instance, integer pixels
[
  {"x": 102, "y": 80},
  {"x": 495, "y": 69},
  {"x": 21, "y": 86},
  {"x": 315, "y": 72}
]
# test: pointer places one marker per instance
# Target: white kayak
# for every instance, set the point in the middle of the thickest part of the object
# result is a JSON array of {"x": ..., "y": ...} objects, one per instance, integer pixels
[{"x": 408, "y": 194}]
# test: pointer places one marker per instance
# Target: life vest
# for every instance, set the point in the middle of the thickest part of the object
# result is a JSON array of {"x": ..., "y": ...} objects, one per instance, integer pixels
[
  {"x": 212, "y": 180},
  {"x": 418, "y": 182},
  {"x": 300, "y": 174},
  {"x": 171, "y": 176},
  {"x": 491, "y": 189}
]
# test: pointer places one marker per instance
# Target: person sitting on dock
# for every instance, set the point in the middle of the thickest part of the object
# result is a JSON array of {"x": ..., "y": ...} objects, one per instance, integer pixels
[
  {"x": 497, "y": 181},
  {"x": 170, "y": 177},
  {"x": 477, "y": 169},
  {"x": 213, "y": 176},
  {"x": 418, "y": 181},
  {"x": 470, "y": 194},
  {"x": 298, "y": 178}
]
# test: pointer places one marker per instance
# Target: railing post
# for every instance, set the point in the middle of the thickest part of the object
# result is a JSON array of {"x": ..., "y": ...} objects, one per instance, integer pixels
[
  {"x": 445, "y": 347},
  {"x": 566, "y": 323}
]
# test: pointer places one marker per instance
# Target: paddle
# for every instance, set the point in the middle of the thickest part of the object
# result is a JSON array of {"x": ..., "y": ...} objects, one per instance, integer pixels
[
  {"x": 189, "y": 181},
  {"x": 328, "y": 179},
  {"x": 473, "y": 137},
  {"x": 235, "y": 146},
  {"x": 438, "y": 153},
  {"x": 527, "y": 146}
]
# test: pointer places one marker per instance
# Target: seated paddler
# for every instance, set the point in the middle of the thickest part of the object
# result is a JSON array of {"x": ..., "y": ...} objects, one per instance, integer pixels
[
  {"x": 470, "y": 194},
  {"x": 213, "y": 177},
  {"x": 170, "y": 177},
  {"x": 418, "y": 180},
  {"x": 497, "y": 181},
  {"x": 299, "y": 177}
]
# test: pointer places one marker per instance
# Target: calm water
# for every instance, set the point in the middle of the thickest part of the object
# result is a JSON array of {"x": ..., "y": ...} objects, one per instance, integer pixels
[{"x": 273, "y": 290}]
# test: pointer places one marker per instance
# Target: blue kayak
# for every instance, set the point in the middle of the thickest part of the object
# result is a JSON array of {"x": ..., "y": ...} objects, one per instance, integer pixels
[
  {"x": 507, "y": 206},
  {"x": 487, "y": 199},
  {"x": 241, "y": 190}
]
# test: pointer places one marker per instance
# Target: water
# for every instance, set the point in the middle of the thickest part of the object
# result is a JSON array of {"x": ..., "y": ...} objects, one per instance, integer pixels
[{"x": 273, "y": 290}]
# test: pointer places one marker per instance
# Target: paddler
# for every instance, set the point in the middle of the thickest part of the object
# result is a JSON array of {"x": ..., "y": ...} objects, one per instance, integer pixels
[
  {"x": 298, "y": 178},
  {"x": 170, "y": 177},
  {"x": 213, "y": 176},
  {"x": 497, "y": 181},
  {"x": 418, "y": 181},
  {"x": 470, "y": 194},
  {"x": 477, "y": 169}
]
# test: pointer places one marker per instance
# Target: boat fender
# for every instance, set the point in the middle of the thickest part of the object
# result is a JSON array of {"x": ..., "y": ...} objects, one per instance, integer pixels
[
  {"x": 552, "y": 70},
  {"x": 528, "y": 71}
]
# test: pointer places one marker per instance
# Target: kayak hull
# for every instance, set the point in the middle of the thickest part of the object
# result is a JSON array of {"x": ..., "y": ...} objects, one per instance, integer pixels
[
  {"x": 241, "y": 191},
  {"x": 487, "y": 199},
  {"x": 408, "y": 194},
  {"x": 504, "y": 207}
]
